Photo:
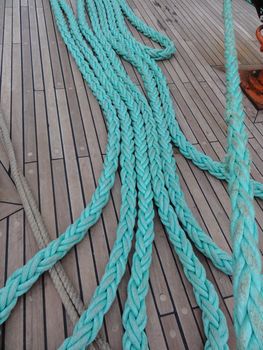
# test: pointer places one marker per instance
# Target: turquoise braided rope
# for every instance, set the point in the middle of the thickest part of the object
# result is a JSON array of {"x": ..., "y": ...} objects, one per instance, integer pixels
[
  {"x": 168, "y": 218},
  {"x": 247, "y": 281},
  {"x": 98, "y": 296},
  {"x": 201, "y": 160},
  {"x": 202, "y": 241},
  {"x": 145, "y": 128}
]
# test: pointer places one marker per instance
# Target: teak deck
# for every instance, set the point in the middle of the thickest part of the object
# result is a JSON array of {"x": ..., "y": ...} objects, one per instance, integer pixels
[{"x": 59, "y": 136}]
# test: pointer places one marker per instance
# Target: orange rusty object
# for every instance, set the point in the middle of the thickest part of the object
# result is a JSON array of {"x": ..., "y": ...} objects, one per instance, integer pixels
[
  {"x": 252, "y": 81},
  {"x": 260, "y": 36}
]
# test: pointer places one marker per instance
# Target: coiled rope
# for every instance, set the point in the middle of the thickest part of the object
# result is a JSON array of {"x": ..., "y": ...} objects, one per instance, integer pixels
[{"x": 141, "y": 132}]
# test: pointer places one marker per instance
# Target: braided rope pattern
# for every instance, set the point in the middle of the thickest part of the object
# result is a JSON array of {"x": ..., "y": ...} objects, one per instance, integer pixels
[
  {"x": 141, "y": 132},
  {"x": 247, "y": 281}
]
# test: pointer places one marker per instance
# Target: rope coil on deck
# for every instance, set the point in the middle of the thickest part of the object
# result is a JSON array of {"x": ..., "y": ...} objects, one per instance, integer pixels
[{"x": 142, "y": 129}]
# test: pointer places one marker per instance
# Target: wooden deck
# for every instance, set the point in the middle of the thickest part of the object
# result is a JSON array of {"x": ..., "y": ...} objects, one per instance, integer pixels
[{"x": 59, "y": 136}]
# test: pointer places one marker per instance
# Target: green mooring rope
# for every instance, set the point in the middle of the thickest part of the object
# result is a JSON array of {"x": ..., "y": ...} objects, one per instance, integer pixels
[{"x": 142, "y": 129}]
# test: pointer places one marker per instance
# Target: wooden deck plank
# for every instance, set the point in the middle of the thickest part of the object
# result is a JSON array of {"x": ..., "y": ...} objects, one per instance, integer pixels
[
  {"x": 8, "y": 26},
  {"x": 77, "y": 124},
  {"x": 69, "y": 154},
  {"x": 5, "y": 96},
  {"x": 53, "y": 306},
  {"x": 53, "y": 48},
  {"x": 34, "y": 302},
  {"x": 17, "y": 107},
  {"x": 1, "y": 51},
  {"x": 154, "y": 329},
  {"x": 14, "y": 338},
  {"x": 16, "y": 33},
  {"x": 98, "y": 119},
  {"x": 30, "y": 147},
  {"x": 2, "y": 20},
  {"x": 172, "y": 332},
  {"x": 25, "y": 29},
  {"x": 3, "y": 236},
  {"x": 54, "y": 132},
  {"x": 159, "y": 286},
  {"x": 35, "y": 48},
  {"x": 30, "y": 143}
]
